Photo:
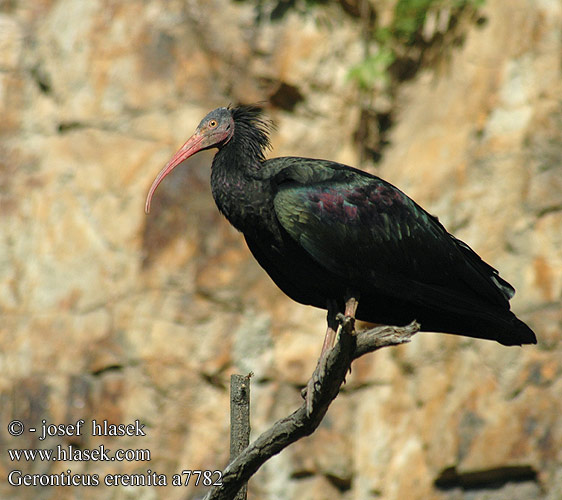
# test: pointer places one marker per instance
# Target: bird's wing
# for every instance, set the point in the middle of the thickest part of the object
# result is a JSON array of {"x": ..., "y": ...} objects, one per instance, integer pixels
[{"x": 368, "y": 232}]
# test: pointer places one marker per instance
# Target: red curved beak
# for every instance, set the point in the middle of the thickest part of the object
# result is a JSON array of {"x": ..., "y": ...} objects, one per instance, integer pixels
[{"x": 192, "y": 146}]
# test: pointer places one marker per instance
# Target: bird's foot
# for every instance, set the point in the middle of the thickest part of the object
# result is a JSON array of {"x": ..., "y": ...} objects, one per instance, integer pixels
[
  {"x": 347, "y": 320},
  {"x": 347, "y": 323}
]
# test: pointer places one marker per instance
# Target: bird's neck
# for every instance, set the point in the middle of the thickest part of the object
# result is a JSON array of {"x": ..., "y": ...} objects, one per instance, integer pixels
[{"x": 233, "y": 182}]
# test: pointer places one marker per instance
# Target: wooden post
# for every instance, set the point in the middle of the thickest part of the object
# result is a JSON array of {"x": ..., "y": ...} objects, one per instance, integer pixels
[{"x": 239, "y": 420}]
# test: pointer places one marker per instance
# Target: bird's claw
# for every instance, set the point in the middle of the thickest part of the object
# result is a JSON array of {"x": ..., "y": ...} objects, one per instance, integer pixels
[{"x": 347, "y": 323}]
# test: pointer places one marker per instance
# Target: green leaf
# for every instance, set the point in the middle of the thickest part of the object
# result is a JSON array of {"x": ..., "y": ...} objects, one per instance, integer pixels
[{"x": 373, "y": 69}]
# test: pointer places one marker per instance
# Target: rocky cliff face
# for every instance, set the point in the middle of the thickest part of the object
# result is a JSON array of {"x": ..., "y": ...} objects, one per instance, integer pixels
[{"x": 111, "y": 315}]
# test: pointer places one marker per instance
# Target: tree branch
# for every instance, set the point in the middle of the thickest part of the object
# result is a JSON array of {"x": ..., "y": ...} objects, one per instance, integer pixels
[
  {"x": 239, "y": 420},
  {"x": 327, "y": 379}
]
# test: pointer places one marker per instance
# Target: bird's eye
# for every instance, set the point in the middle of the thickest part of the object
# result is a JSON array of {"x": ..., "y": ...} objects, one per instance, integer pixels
[{"x": 213, "y": 123}]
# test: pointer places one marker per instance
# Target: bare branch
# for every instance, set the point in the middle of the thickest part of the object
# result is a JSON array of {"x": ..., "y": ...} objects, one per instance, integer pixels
[
  {"x": 239, "y": 420},
  {"x": 327, "y": 380},
  {"x": 384, "y": 336}
]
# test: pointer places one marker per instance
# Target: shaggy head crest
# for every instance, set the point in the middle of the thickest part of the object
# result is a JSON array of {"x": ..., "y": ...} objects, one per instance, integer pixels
[{"x": 252, "y": 129}]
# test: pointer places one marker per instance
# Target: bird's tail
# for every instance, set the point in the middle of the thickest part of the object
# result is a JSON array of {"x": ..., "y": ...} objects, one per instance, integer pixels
[
  {"x": 501, "y": 326},
  {"x": 516, "y": 333}
]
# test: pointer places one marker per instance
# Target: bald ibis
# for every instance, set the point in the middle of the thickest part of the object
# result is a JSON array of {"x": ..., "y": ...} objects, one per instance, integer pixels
[{"x": 332, "y": 236}]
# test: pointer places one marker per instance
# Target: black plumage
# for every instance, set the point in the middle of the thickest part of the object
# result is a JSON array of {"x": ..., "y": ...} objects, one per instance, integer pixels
[{"x": 324, "y": 231}]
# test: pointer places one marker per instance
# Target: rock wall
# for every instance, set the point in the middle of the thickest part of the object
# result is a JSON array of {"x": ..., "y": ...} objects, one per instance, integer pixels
[{"x": 108, "y": 314}]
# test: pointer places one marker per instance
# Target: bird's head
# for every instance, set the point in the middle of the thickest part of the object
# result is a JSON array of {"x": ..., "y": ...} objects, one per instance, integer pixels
[{"x": 215, "y": 130}]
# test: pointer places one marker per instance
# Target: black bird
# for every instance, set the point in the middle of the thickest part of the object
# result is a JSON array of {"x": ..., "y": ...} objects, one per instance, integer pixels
[{"x": 338, "y": 238}]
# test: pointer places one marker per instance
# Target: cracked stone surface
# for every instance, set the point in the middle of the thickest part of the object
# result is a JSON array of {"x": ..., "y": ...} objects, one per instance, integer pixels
[{"x": 110, "y": 314}]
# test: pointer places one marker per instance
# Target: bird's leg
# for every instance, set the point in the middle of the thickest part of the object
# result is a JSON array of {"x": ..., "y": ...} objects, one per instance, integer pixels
[
  {"x": 348, "y": 321},
  {"x": 329, "y": 341},
  {"x": 351, "y": 306},
  {"x": 348, "y": 318},
  {"x": 334, "y": 319},
  {"x": 332, "y": 328}
]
